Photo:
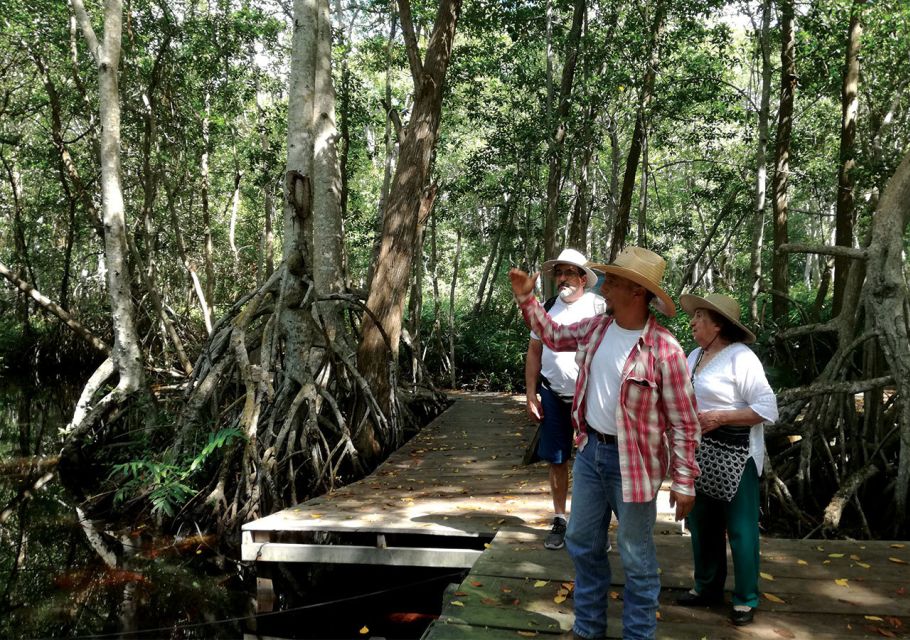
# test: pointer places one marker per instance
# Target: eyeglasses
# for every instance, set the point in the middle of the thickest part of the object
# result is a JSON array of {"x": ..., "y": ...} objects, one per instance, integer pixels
[{"x": 566, "y": 273}]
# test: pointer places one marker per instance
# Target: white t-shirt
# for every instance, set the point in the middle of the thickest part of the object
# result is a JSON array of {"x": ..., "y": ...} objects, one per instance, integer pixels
[
  {"x": 735, "y": 379},
  {"x": 559, "y": 367},
  {"x": 605, "y": 378}
]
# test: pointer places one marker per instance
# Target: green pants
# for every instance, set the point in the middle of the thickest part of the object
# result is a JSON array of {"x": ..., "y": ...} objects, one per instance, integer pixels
[{"x": 709, "y": 520}]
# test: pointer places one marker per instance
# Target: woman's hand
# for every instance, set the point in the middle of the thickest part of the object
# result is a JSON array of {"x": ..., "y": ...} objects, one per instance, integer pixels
[{"x": 710, "y": 420}]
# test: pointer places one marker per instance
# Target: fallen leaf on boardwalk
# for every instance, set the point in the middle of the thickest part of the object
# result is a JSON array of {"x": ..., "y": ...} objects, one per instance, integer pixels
[
  {"x": 540, "y": 583},
  {"x": 897, "y": 545},
  {"x": 527, "y": 634},
  {"x": 873, "y": 618},
  {"x": 559, "y": 599},
  {"x": 835, "y": 555},
  {"x": 773, "y": 598},
  {"x": 853, "y": 556},
  {"x": 364, "y": 630},
  {"x": 894, "y": 622},
  {"x": 474, "y": 583},
  {"x": 766, "y": 576},
  {"x": 864, "y": 565},
  {"x": 316, "y": 515},
  {"x": 897, "y": 561},
  {"x": 457, "y": 603},
  {"x": 901, "y": 591},
  {"x": 820, "y": 548},
  {"x": 569, "y": 585},
  {"x": 486, "y": 545},
  {"x": 614, "y": 595},
  {"x": 489, "y": 601},
  {"x": 562, "y": 592},
  {"x": 826, "y": 562},
  {"x": 516, "y": 602},
  {"x": 460, "y": 594},
  {"x": 784, "y": 633},
  {"x": 841, "y": 582},
  {"x": 802, "y": 562},
  {"x": 658, "y": 615},
  {"x": 505, "y": 590},
  {"x": 882, "y": 632}
]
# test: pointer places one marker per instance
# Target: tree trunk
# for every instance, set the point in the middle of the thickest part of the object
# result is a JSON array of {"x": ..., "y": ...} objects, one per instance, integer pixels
[
  {"x": 844, "y": 218},
  {"x": 559, "y": 124},
  {"x": 761, "y": 163},
  {"x": 780, "y": 279},
  {"x": 452, "y": 304},
  {"x": 126, "y": 353},
  {"x": 399, "y": 232},
  {"x": 887, "y": 297},
  {"x": 621, "y": 224}
]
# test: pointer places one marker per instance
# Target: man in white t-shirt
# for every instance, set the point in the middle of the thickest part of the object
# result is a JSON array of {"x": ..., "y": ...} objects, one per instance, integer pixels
[{"x": 552, "y": 374}]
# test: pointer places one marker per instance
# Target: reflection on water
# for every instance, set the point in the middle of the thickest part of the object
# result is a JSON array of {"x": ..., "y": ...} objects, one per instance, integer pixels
[{"x": 62, "y": 576}]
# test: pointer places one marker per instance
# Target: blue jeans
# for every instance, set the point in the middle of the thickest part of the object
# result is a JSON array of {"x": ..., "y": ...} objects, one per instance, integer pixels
[
  {"x": 555, "y": 444},
  {"x": 596, "y": 495}
]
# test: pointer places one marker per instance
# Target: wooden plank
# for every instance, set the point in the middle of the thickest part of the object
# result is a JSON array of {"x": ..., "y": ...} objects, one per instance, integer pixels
[{"x": 354, "y": 554}]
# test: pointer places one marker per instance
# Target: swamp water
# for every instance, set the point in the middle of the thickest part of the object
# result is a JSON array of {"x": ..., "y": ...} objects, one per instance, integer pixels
[{"x": 62, "y": 576}]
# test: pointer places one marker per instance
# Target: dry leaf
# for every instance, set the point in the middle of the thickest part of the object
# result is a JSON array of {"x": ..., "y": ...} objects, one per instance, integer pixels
[
  {"x": 803, "y": 562},
  {"x": 614, "y": 595},
  {"x": 505, "y": 589},
  {"x": 658, "y": 615},
  {"x": 835, "y": 555},
  {"x": 766, "y": 576},
  {"x": 457, "y": 603},
  {"x": 559, "y": 599},
  {"x": 864, "y": 565},
  {"x": 820, "y": 548},
  {"x": 569, "y": 585},
  {"x": 527, "y": 634},
  {"x": 873, "y": 618},
  {"x": 364, "y": 630},
  {"x": 316, "y": 515},
  {"x": 540, "y": 583},
  {"x": 841, "y": 582},
  {"x": 474, "y": 583},
  {"x": 897, "y": 561},
  {"x": 784, "y": 633},
  {"x": 773, "y": 598},
  {"x": 487, "y": 545},
  {"x": 488, "y": 601},
  {"x": 897, "y": 545},
  {"x": 894, "y": 622},
  {"x": 853, "y": 556},
  {"x": 562, "y": 592},
  {"x": 516, "y": 602},
  {"x": 883, "y": 632}
]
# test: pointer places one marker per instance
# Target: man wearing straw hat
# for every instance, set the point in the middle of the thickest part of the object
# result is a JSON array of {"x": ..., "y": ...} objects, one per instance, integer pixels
[
  {"x": 552, "y": 374},
  {"x": 635, "y": 418}
]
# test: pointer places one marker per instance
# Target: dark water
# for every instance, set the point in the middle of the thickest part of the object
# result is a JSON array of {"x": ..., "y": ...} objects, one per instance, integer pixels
[{"x": 54, "y": 583}]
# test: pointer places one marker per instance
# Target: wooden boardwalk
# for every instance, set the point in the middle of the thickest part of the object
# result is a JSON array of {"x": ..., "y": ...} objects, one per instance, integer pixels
[{"x": 457, "y": 496}]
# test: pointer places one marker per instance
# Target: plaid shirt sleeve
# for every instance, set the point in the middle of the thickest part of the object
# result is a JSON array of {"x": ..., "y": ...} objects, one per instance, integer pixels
[{"x": 556, "y": 336}]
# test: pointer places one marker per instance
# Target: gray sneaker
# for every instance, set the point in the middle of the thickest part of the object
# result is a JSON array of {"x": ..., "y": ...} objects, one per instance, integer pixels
[{"x": 556, "y": 539}]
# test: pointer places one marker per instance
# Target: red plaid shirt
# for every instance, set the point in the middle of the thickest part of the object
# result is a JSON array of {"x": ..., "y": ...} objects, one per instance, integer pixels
[{"x": 656, "y": 416}]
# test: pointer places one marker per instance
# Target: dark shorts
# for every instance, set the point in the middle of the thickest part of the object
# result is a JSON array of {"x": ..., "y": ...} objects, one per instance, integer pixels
[{"x": 555, "y": 444}]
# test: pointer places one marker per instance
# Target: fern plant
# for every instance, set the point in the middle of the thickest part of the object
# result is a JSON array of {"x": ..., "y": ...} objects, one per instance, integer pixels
[{"x": 165, "y": 483}]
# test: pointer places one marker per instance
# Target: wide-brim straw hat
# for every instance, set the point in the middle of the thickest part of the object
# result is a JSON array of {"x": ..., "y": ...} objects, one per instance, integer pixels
[
  {"x": 645, "y": 268},
  {"x": 574, "y": 258},
  {"x": 720, "y": 304}
]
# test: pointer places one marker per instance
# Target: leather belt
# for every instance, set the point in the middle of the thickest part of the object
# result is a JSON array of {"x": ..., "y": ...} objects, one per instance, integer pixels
[{"x": 603, "y": 437}]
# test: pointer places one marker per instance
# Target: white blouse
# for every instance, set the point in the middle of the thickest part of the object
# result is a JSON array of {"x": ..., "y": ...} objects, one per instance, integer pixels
[{"x": 735, "y": 379}]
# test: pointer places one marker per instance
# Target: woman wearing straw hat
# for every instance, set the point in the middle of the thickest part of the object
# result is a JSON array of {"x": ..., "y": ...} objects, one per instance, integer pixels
[{"x": 734, "y": 401}]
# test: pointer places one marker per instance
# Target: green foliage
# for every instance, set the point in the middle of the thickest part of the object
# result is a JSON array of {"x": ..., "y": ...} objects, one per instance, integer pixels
[{"x": 165, "y": 484}]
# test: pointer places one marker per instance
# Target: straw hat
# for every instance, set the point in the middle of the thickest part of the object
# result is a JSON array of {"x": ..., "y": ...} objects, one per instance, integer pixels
[
  {"x": 645, "y": 268},
  {"x": 574, "y": 258},
  {"x": 718, "y": 303}
]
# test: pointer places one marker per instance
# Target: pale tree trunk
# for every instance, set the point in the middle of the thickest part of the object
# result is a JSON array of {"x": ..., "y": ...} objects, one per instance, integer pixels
[
  {"x": 378, "y": 348},
  {"x": 559, "y": 123},
  {"x": 621, "y": 224},
  {"x": 761, "y": 163},
  {"x": 780, "y": 280},
  {"x": 845, "y": 216},
  {"x": 452, "y": 304},
  {"x": 578, "y": 227},
  {"x": 328, "y": 243},
  {"x": 207, "y": 248},
  {"x": 126, "y": 352}
]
